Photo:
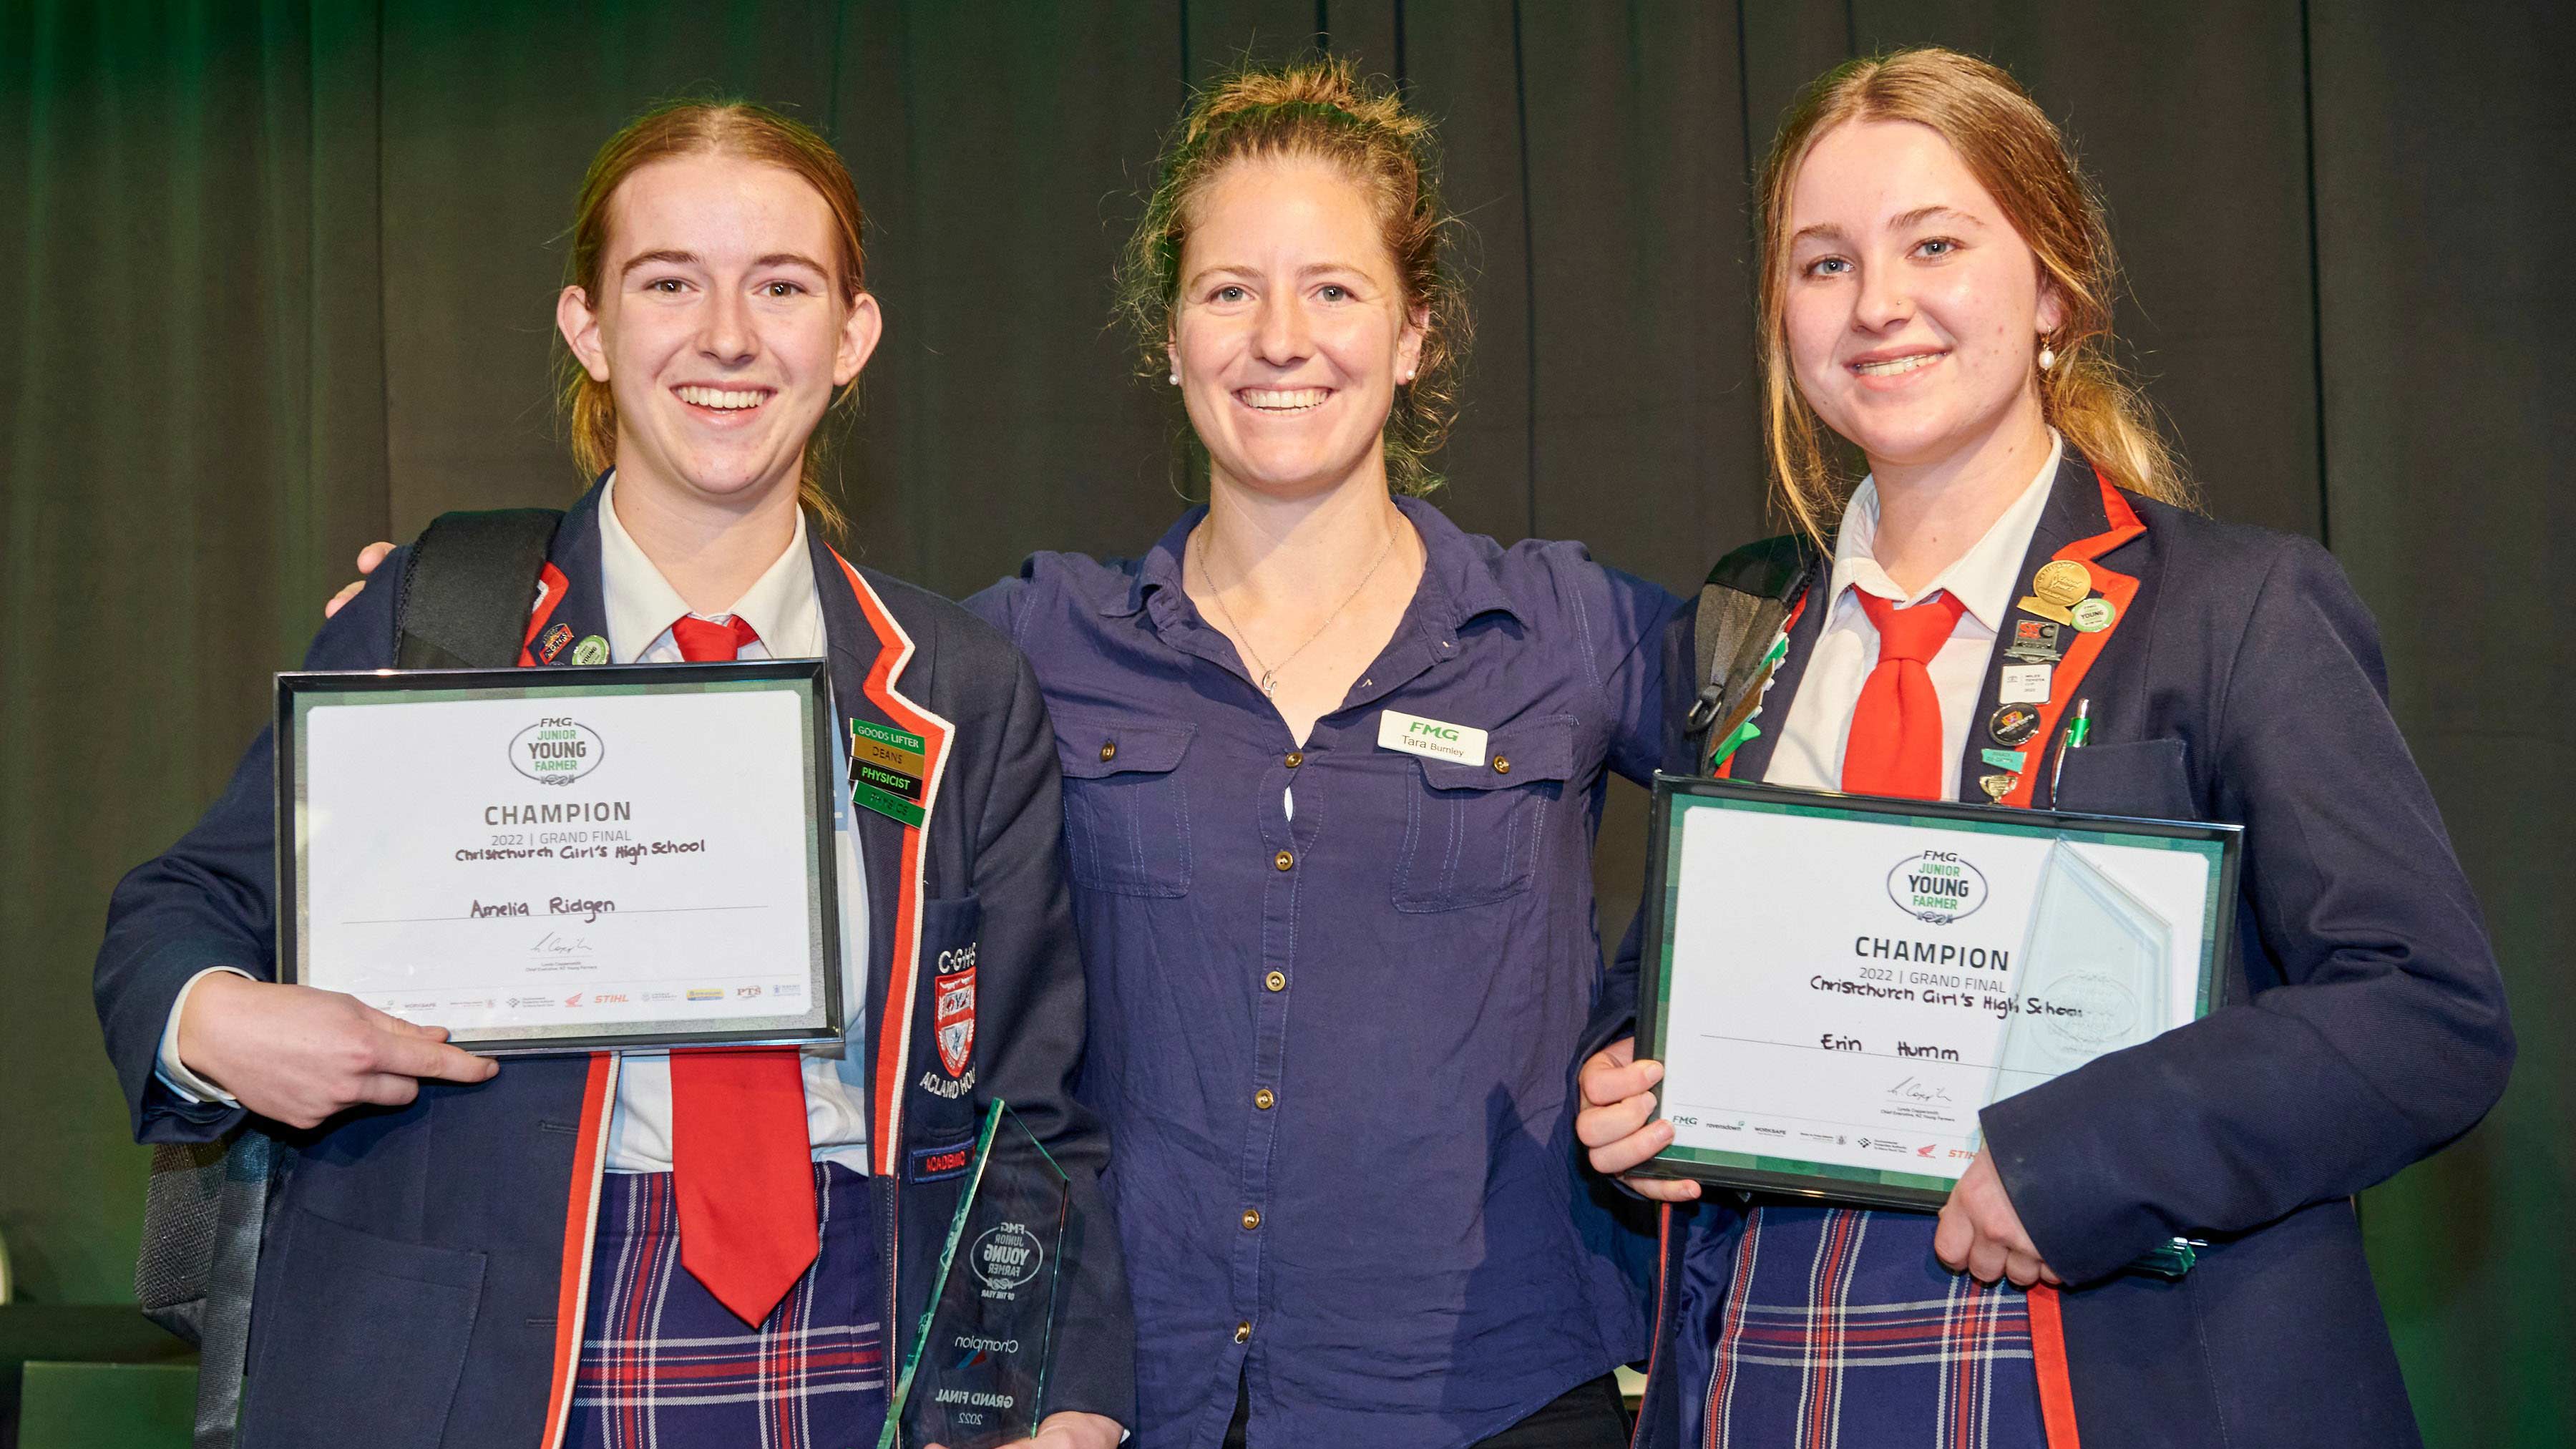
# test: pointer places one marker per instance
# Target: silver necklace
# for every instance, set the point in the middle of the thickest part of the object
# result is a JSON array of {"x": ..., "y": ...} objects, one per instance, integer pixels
[{"x": 1270, "y": 673}]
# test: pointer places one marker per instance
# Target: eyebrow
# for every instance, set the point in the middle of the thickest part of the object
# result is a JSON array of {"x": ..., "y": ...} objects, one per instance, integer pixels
[
  {"x": 1311, "y": 269},
  {"x": 1829, "y": 231},
  {"x": 1926, "y": 213},
  {"x": 672, "y": 258}
]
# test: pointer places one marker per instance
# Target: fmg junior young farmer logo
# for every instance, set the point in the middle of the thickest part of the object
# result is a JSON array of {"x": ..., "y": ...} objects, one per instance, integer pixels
[
  {"x": 1007, "y": 1257},
  {"x": 1938, "y": 886},
  {"x": 557, "y": 751}
]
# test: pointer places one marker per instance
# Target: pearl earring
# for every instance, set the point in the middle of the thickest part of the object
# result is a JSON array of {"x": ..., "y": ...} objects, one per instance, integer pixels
[
  {"x": 2047, "y": 358},
  {"x": 1176, "y": 377}
]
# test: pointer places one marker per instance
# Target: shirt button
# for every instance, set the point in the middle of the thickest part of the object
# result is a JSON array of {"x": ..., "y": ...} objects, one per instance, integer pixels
[
  {"x": 1285, "y": 860},
  {"x": 1502, "y": 766},
  {"x": 1108, "y": 751},
  {"x": 1295, "y": 758},
  {"x": 1263, "y": 1099},
  {"x": 1243, "y": 1331},
  {"x": 1276, "y": 980},
  {"x": 1251, "y": 1219}
]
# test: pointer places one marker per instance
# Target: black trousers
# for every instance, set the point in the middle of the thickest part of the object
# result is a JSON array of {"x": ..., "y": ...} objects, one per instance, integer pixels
[{"x": 1587, "y": 1416}]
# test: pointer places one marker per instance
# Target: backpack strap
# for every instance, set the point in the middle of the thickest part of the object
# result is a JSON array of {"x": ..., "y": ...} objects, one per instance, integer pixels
[
  {"x": 464, "y": 600},
  {"x": 1742, "y": 609}
]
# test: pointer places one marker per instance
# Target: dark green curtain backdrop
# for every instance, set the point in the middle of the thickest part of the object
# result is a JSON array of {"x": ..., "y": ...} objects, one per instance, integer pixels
[{"x": 278, "y": 278}]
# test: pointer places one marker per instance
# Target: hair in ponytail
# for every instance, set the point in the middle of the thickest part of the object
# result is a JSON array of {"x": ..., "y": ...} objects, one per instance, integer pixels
[
  {"x": 1318, "y": 109},
  {"x": 2023, "y": 161},
  {"x": 692, "y": 128}
]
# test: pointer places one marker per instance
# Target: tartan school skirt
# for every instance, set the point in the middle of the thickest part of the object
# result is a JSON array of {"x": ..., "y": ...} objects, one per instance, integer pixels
[
  {"x": 1839, "y": 1329},
  {"x": 665, "y": 1366}
]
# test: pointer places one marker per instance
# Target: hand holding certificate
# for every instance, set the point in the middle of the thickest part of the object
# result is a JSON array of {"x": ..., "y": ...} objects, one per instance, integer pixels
[
  {"x": 620, "y": 856},
  {"x": 1835, "y": 985}
]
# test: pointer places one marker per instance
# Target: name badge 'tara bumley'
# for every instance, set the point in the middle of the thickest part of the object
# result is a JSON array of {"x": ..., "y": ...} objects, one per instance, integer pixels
[{"x": 1434, "y": 739}]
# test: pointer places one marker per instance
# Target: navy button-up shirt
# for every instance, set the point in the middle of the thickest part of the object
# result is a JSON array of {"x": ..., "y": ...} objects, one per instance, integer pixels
[{"x": 1336, "y": 989}]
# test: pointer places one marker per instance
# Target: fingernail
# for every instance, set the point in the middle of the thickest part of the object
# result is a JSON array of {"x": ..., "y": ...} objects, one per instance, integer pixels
[{"x": 1654, "y": 1073}]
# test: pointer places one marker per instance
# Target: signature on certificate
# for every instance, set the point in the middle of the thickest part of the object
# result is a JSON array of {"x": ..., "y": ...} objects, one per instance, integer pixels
[
  {"x": 1912, "y": 1089},
  {"x": 558, "y": 946}
]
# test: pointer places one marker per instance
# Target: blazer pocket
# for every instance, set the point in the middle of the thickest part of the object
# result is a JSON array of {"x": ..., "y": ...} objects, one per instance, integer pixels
[
  {"x": 1126, "y": 807},
  {"x": 359, "y": 1337},
  {"x": 1471, "y": 834},
  {"x": 2150, "y": 778}
]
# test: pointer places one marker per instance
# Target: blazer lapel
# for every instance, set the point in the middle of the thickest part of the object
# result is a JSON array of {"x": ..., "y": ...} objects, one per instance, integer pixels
[
  {"x": 879, "y": 676},
  {"x": 572, "y": 605},
  {"x": 2085, "y": 519}
]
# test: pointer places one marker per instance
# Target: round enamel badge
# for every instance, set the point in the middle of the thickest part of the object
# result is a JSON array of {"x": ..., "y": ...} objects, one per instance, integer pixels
[{"x": 2013, "y": 724}]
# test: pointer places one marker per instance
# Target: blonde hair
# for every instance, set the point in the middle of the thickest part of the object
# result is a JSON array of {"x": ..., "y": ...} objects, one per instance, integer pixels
[
  {"x": 2019, "y": 156},
  {"x": 693, "y": 128},
  {"x": 1317, "y": 109}
]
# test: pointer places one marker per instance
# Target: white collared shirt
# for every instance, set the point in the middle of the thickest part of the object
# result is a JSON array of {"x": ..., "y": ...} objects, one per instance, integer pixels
[
  {"x": 786, "y": 610},
  {"x": 1986, "y": 579}
]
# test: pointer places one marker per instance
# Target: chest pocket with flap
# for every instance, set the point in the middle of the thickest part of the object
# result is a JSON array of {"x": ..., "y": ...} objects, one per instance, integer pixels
[
  {"x": 1472, "y": 832},
  {"x": 1126, "y": 807}
]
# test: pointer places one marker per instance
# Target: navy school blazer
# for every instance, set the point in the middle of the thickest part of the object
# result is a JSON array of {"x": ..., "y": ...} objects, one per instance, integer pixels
[
  {"x": 422, "y": 1281},
  {"x": 2363, "y": 1025}
]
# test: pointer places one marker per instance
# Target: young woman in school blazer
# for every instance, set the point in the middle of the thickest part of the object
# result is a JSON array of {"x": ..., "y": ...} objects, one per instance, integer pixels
[{"x": 1936, "y": 284}]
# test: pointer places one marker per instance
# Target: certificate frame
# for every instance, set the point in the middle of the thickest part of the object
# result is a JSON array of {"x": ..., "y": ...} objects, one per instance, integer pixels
[
  {"x": 1785, "y": 1174},
  {"x": 822, "y": 1020}
]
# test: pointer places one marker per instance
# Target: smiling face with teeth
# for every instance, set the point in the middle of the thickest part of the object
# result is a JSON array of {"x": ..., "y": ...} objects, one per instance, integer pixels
[
  {"x": 1291, "y": 331},
  {"x": 722, "y": 328},
  {"x": 1913, "y": 310}
]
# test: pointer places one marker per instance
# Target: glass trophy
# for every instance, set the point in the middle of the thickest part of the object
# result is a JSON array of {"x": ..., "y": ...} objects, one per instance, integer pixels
[
  {"x": 976, "y": 1374},
  {"x": 2092, "y": 977},
  {"x": 2101, "y": 958}
]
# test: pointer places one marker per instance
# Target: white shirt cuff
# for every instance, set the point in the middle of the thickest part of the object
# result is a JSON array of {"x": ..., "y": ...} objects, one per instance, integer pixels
[{"x": 173, "y": 1073}]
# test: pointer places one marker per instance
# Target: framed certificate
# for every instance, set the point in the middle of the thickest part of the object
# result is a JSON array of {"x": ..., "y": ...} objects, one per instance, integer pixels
[
  {"x": 563, "y": 860},
  {"x": 1836, "y": 984}
]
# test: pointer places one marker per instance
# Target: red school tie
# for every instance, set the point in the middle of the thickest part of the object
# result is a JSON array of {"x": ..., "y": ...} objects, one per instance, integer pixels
[
  {"x": 1895, "y": 744},
  {"x": 741, "y": 1160}
]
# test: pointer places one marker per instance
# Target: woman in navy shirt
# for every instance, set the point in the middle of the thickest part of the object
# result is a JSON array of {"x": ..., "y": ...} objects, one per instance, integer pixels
[{"x": 1332, "y": 771}]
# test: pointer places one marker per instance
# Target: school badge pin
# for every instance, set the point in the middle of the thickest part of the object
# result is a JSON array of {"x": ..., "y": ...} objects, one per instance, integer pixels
[
  {"x": 2034, "y": 642},
  {"x": 953, "y": 1018},
  {"x": 554, "y": 642}
]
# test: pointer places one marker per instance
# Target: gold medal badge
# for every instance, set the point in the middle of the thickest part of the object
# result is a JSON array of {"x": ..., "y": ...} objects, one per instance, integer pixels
[{"x": 2058, "y": 585}]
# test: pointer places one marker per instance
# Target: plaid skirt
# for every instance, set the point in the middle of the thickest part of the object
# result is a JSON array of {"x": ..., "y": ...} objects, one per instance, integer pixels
[
  {"x": 1841, "y": 1330},
  {"x": 665, "y": 1366}
]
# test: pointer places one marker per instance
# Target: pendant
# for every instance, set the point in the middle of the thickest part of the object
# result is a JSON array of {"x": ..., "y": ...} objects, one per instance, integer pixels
[{"x": 1269, "y": 684}]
